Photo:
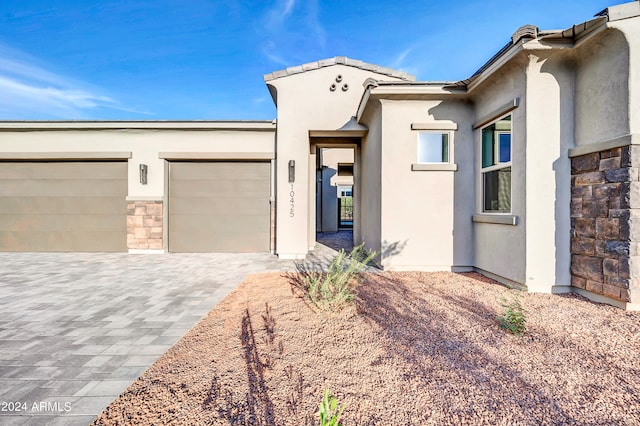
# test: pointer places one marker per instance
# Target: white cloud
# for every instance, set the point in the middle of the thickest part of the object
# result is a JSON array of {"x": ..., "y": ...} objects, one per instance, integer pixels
[
  {"x": 269, "y": 50},
  {"x": 277, "y": 15},
  {"x": 53, "y": 96},
  {"x": 30, "y": 91},
  {"x": 399, "y": 59},
  {"x": 259, "y": 100},
  {"x": 405, "y": 61},
  {"x": 288, "y": 5},
  {"x": 315, "y": 24},
  {"x": 295, "y": 29}
]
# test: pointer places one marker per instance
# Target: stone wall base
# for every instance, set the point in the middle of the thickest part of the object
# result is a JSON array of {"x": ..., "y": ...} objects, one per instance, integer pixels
[
  {"x": 604, "y": 228},
  {"x": 145, "y": 225}
]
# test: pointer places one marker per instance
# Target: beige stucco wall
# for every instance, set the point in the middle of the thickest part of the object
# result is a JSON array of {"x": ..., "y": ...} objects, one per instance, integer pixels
[
  {"x": 331, "y": 157},
  {"x": 144, "y": 145},
  {"x": 630, "y": 30},
  {"x": 368, "y": 182},
  {"x": 601, "y": 88},
  {"x": 501, "y": 249},
  {"x": 549, "y": 135},
  {"x": 306, "y": 103},
  {"x": 422, "y": 208}
]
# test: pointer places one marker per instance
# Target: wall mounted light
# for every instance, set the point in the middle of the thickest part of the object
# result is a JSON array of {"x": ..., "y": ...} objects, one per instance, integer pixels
[
  {"x": 143, "y": 174},
  {"x": 292, "y": 171}
]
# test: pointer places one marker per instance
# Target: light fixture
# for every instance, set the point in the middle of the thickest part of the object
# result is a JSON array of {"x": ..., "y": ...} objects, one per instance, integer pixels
[
  {"x": 292, "y": 171},
  {"x": 143, "y": 174}
]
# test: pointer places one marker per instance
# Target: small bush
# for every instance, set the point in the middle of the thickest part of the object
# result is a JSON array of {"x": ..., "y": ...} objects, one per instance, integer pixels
[
  {"x": 329, "y": 411},
  {"x": 514, "y": 317},
  {"x": 332, "y": 289}
]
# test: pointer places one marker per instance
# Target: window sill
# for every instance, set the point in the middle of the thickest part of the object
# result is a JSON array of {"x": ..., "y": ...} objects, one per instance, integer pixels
[
  {"x": 499, "y": 219},
  {"x": 434, "y": 167}
]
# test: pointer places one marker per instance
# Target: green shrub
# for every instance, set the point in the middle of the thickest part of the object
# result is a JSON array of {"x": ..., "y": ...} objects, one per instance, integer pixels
[
  {"x": 329, "y": 411},
  {"x": 332, "y": 289},
  {"x": 514, "y": 317}
]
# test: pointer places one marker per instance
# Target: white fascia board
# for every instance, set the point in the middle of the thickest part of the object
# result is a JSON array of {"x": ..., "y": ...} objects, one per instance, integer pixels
[
  {"x": 364, "y": 100},
  {"x": 137, "y": 125},
  {"x": 413, "y": 89}
]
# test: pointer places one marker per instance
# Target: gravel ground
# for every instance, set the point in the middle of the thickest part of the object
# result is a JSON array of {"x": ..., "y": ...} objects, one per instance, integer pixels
[{"x": 418, "y": 348}]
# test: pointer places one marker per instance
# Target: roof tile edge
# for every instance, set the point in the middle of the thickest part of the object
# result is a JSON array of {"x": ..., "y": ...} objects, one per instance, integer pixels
[{"x": 339, "y": 60}]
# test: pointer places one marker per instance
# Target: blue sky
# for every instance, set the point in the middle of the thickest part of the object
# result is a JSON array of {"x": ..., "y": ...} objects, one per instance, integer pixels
[{"x": 205, "y": 59}]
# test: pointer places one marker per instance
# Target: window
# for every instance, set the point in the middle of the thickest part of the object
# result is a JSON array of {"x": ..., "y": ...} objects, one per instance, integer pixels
[
  {"x": 433, "y": 147},
  {"x": 345, "y": 191},
  {"x": 496, "y": 166}
]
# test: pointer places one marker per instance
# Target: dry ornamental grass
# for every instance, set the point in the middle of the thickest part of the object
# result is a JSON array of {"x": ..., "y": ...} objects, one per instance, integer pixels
[{"x": 416, "y": 348}]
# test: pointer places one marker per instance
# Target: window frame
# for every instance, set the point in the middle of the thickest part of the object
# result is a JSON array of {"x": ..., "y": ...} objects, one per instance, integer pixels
[
  {"x": 449, "y": 134},
  {"x": 498, "y": 165}
]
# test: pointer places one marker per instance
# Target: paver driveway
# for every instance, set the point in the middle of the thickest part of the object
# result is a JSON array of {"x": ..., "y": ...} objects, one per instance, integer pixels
[{"x": 77, "y": 329}]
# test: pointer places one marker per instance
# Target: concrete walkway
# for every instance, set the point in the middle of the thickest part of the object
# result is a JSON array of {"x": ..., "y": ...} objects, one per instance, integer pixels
[{"x": 77, "y": 329}]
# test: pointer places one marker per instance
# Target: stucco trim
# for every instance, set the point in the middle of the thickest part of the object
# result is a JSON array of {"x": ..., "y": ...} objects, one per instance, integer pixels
[
  {"x": 496, "y": 113},
  {"x": 144, "y": 198},
  {"x": 623, "y": 11},
  {"x": 434, "y": 167},
  {"x": 27, "y": 126},
  {"x": 337, "y": 133},
  {"x": 498, "y": 219},
  {"x": 216, "y": 155},
  {"x": 620, "y": 141},
  {"x": 436, "y": 125},
  {"x": 123, "y": 155}
]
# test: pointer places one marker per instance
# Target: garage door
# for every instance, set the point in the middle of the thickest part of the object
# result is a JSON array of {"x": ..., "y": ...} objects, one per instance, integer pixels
[
  {"x": 63, "y": 206},
  {"x": 219, "y": 207}
]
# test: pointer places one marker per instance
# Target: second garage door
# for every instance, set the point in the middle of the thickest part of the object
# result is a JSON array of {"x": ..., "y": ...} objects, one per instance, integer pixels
[{"x": 219, "y": 207}]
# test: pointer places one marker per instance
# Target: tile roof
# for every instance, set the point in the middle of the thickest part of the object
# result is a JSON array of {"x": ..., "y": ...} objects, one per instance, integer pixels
[{"x": 339, "y": 60}]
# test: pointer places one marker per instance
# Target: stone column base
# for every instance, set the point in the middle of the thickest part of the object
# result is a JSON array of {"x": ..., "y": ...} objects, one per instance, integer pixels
[
  {"x": 605, "y": 226},
  {"x": 144, "y": 226}
]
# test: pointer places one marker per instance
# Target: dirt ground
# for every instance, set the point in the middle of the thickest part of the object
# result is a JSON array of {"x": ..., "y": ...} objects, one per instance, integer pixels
[{"x": 417, "y": 349}]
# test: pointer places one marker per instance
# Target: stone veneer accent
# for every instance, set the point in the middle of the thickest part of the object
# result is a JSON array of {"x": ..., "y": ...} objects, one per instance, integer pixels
[
  {"x": 144, "y": 225},
  {"x": 605, "y": 222}
]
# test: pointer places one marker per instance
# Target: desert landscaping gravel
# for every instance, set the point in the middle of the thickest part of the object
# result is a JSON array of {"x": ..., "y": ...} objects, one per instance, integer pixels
[{"x": 416, "y": 349}]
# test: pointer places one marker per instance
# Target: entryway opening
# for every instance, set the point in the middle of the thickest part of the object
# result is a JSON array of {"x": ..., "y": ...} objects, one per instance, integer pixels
[{"x": 335, "y": 211}]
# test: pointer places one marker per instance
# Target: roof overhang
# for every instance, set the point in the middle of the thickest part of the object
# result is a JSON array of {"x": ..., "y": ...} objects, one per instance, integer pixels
[
  {"x": 376, "y": 90},
  {"x": 350, "y": 129},
  {"x": 337, "y": 133},
  {"x": 264, "y": 126},
  {"x": 339, "y": 60}
]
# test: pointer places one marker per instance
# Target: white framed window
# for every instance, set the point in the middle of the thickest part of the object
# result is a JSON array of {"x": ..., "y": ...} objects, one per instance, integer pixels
[
  {"x": 434, "y": 147},
  {"x": 496, "y": 166}
]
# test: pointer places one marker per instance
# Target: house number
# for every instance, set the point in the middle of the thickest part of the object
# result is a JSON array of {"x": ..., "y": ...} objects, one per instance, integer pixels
[{"x": 292, "y": 201}]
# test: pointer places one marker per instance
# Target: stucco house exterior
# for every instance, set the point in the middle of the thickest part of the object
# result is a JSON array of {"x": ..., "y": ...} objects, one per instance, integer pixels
[{"x": 526, "y": 172}]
